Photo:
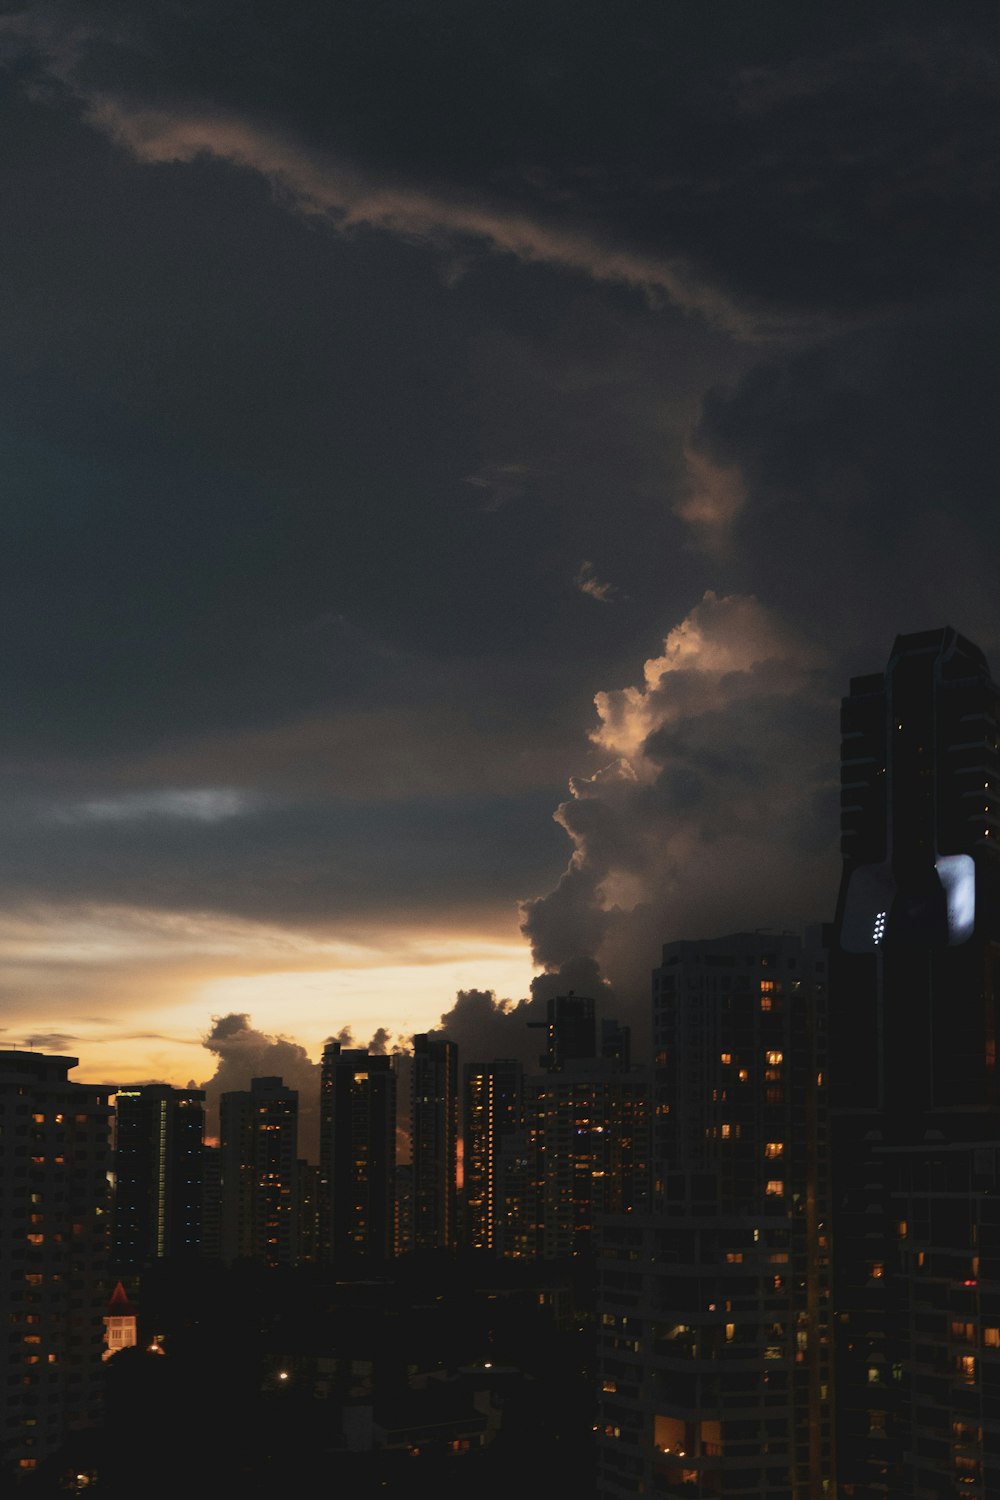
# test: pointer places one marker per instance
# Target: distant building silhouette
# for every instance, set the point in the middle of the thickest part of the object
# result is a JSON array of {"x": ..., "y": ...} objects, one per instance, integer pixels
[
  {"x": 158, "y": 1175},
  {"x": 434, "y": 1142},
  {"x": 493, "y": 1114},
  {"x": 357, "y": 1155},
  {"x": 570, "y": 1030},
  {"x": 567, "y": 1145},
  {"x": 55, "y": 1162},
  {"x": 258, "y": 1156}
]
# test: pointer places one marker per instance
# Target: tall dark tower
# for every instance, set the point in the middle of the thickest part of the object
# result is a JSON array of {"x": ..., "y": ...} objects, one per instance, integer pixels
[
  {"x": 570, "y": 1029},
  {"x": 918, "y": 915},
  {"x": 158, "y": 1175},
  {"x": 915, "y": 1102},
  {"x": 258, "y": 1157},
  {"x": 434, "y": 1142},
  {"x": 494, "y": 1110},
  {"x": 357, "y": 1155}
]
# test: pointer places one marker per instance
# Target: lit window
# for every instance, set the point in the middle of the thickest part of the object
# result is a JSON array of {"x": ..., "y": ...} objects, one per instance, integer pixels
[
  {"x": 876, "y": 1270},
  {"x": 773, "y": 1149},
  {"x": 991, "y": 1338},
  {"x": 774, "y": 1058},
  {"x": 775, "y": 1188},
  {"x": 726, "y": 1058},
  {"x": 965, "y": 1364}
]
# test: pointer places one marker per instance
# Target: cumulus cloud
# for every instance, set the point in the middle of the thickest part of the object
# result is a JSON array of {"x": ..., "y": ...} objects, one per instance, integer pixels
[
  {"x": 484, "y": 1027},
  {"x": 714, "y": 812}
]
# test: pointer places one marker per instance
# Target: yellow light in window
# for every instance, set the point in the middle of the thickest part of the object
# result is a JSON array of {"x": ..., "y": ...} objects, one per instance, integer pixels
[
  {"x": 774, "y": 1058},
  {"x": 773, "y": 1149}
]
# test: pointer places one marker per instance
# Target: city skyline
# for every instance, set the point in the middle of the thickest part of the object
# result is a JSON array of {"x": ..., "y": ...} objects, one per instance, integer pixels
[{"x": 454, "y": 462}]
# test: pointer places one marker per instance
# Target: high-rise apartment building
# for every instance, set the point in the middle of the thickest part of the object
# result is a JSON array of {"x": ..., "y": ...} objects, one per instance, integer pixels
[
  {"x": 55, "y": 1163},
  {"x": 434, "y": 1142},
  {"x": 913, "y": 1066},
  {"x": 159, "y": 1135},
  {"x": 580, "y": 1147},
  {"x": 588, "y": 1150},
  {"x": 357, "y": 1155},
  {"x": 258, "y": 1156},
  {"x": 493, "y": 1115},
  {"x": 714, "y": 1306}
]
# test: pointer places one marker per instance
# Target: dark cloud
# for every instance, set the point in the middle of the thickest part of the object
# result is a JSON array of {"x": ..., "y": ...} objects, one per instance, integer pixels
[
  {"x": 350, "y": 358},
  {"x": 484, "y": 1026},
  {"x": 869, "y": 466},
  {"x": 310, "y": 862},
  {"x": 710, "y": 812}
]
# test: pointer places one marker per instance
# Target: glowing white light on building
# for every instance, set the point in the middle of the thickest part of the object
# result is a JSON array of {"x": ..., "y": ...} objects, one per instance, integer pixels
[{"x": 957, "y": 873}]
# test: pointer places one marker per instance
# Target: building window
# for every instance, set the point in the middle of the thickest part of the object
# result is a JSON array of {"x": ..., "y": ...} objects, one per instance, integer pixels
[{"x": 775, "y": 1188}]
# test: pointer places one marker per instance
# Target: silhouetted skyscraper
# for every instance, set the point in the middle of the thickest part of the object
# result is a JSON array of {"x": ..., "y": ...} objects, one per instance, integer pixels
[
  {"x": 915, "y": 1099},
  {"x": 158, "y": 1175},
  {"x": 258, "y": 1155},
  {"x": 434, "y": 1142},
  {"x": 357, "y": 1154},
  {"x": 493, "y": 1113},
  {"x": 570, "y": 1030},
  {"x": 55, "y": 1161}
]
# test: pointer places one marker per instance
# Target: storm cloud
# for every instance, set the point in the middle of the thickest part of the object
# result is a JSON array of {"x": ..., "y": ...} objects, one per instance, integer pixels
[{"x": 452, "y": 461}]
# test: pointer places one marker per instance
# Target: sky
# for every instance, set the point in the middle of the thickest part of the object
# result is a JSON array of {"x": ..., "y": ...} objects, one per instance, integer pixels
[{"x": 452, "y": 460}]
